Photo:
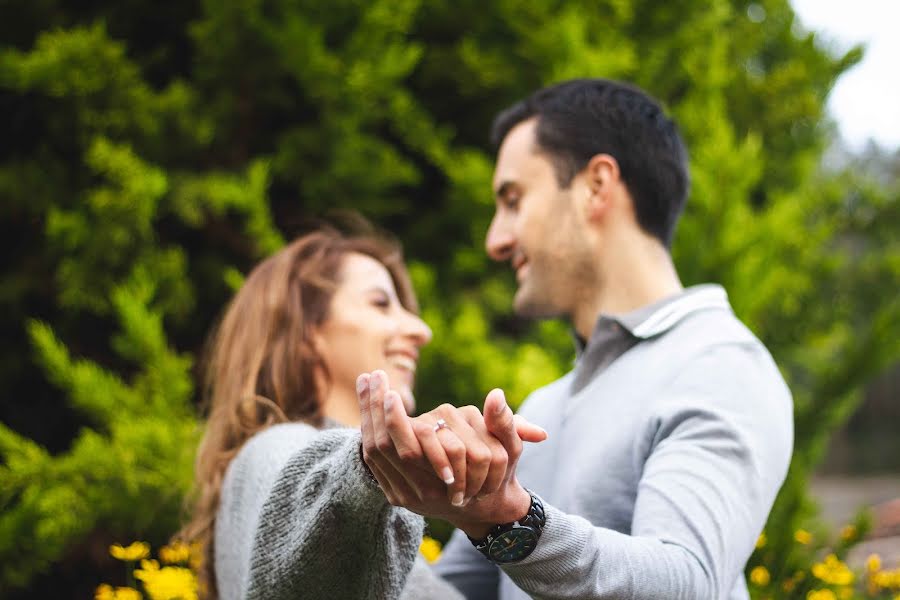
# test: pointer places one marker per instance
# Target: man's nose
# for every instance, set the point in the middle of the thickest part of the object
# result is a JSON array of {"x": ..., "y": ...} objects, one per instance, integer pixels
[{"x": 500, "y": 240}]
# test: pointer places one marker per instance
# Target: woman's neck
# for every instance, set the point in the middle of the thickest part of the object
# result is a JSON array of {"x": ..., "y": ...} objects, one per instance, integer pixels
[{"x": 341, "y": 406}]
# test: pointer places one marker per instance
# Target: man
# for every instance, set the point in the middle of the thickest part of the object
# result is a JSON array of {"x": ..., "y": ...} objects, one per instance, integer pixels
[{"x": 671, "y": 436}]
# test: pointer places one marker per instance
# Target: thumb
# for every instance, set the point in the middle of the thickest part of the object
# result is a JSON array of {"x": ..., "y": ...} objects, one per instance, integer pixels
[
  {"x": 503, "y": 425},
  {"x": 498, "y": 418},
  {"x": 529, "y": 432}
]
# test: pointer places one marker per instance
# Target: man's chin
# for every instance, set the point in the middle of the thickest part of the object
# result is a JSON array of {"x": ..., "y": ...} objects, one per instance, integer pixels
[{"x": 527, "y": 306}]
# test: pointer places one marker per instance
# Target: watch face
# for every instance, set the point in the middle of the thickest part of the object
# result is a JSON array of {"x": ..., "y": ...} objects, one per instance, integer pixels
[{"x": 512, "y": 545}]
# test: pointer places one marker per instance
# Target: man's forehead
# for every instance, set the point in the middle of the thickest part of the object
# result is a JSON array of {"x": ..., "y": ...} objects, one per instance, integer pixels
[
  {"x": 517, "y": 147},
  {"x": 516, "y": 155}
]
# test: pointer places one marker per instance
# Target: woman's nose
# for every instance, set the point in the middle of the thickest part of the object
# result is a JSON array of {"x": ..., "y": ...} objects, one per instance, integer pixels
[{"x": 417, "y": 329}]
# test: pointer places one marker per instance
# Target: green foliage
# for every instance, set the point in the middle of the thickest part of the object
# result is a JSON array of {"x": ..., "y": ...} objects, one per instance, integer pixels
[{"x": 155, "y": 152}]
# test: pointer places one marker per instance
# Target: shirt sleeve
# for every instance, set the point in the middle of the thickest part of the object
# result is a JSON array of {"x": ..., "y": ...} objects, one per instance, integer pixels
[
  {"x": 717, "y": 449},
  {"x": 468, "y": 570}
]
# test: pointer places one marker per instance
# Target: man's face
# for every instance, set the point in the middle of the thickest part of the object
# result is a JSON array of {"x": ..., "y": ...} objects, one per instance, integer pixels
[{"x": 538, "y": 228}]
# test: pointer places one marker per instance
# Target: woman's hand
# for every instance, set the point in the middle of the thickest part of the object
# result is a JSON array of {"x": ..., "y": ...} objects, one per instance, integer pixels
[{"x": 435, "y": 464}]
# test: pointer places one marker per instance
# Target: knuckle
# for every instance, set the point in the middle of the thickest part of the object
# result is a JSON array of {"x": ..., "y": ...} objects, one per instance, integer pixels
[
  {"x": 470, "y": 411},
  {"x": 479, "y": 455},
  {"x": 455, "y": 450},
  {"x": 499, "y": 458},
  {"x": 383, "y": 443},
  {"x": 407, "y": 454}
]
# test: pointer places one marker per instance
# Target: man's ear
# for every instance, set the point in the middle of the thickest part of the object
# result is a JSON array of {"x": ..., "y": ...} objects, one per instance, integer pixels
[{"x": 602, "y": 178}]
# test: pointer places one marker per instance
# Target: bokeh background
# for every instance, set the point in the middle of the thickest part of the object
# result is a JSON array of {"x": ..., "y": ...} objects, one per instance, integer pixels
[{"x": 152, "y": 152}]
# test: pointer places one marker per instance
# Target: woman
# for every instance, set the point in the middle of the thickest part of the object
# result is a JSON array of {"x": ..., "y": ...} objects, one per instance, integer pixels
[{"x": 285, "y": 507}]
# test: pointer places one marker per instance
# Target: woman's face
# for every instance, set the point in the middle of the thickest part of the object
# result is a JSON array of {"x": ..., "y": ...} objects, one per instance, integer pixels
[{"x": 367, "y": 329}]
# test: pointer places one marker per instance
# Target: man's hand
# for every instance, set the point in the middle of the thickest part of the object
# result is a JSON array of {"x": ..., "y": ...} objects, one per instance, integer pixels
[{"x": 437, "y": 470}]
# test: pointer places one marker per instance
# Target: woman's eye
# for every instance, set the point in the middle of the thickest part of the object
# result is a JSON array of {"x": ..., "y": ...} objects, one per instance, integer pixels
[
  {"x": 383, "y": 303},
  {"x": 512, "y": 202}
]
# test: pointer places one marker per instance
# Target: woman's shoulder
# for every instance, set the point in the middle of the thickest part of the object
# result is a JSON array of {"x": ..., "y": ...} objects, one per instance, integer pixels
[{"x": 278, "y": 441}]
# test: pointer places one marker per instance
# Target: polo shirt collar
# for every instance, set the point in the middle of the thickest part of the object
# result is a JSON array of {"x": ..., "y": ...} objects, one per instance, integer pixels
[{"x": 659, "y": 317}]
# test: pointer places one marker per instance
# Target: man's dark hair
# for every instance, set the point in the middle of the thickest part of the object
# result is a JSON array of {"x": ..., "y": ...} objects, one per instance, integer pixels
[{"x": 581, "y": 118}]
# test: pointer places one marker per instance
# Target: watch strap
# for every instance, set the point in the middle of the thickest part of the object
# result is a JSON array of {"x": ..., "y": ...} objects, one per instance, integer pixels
[{"x": 535, "y": 519}]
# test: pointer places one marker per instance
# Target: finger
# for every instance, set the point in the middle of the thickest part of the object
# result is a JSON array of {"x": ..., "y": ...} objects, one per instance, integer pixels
[
  {"x": 365, "y": 414},
  {"x": 456, "y": 454},
  {"x": 498, "y": 456},
  {"x": 477, "y": 453},
  {"x": 378, "y": 387},
  {"x": 433, "y": 450},
  {"x": 408, "y": 457},
  {"x": 368, "y": 433},
  {"x": 399, "y": 427},
  {"x": 527, "y": 431},
  {"x": 394, "y": 486},
  {"x": 498, "y": 418}
]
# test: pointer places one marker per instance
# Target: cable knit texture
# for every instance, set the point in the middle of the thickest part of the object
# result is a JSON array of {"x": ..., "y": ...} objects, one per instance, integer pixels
[{"x": 299, "y": 518}]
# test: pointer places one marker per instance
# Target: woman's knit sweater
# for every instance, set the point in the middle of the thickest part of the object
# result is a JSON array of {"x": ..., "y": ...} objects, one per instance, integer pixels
[{"x": 300, "y": 518}]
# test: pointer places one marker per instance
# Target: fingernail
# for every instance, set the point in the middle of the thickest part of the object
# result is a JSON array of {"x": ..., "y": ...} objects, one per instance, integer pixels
[
  {"x": 502, "y": 406},
  {"x": 374, "y": 380},
  {"x": 457, "y": 499},
  {"x": 447, "y": 474},
  {"x": 388, "y": 401},
  {"x": 362, "y": 382}
]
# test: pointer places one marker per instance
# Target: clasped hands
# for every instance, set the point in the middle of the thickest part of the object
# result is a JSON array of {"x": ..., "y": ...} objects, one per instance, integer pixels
[{"x": 452, "y": 463}]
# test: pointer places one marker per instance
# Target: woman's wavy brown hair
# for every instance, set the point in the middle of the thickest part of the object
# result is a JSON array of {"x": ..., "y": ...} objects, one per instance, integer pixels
[{"x": 261, "y": 364}]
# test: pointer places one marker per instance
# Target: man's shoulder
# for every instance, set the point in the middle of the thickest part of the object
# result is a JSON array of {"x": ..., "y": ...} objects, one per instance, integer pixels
[
  {"x": 547, "y": 395},
  {"x": 707, "y": 331}
]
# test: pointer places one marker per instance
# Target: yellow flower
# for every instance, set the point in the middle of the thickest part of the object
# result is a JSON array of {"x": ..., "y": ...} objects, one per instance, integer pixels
[
  {"x": 761, "y": 540},
  {"x": 873, "y": 563},
  {"x": 168, "y": 583},
  {"x": 821, "y": 595},
  {"x": 176, "y": 552},
  {"x": 802, "y": 536},
  {"x": 430, "y": 549},
  {"x": 150, "y": 565},
  {"x": 846, "y": 593},
  {"x": 104, "y": 592},
  {"x": 833, "y": 571},
  {"x": 135, "y": 551},
  {"x": 759, "y": 576},
  {"x": 848, "y": 533},
  {"x": 196, "y": 556},
  {"x": 886, "y": 579},
  {"x": 127, "y": 593}
]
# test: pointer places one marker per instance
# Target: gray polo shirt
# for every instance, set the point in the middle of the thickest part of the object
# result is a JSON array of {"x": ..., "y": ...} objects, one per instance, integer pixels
[{"x": 668, "y": 442}]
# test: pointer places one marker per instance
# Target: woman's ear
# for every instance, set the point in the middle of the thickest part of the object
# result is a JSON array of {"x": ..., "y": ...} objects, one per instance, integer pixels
[{"x": 602, "y": 177}]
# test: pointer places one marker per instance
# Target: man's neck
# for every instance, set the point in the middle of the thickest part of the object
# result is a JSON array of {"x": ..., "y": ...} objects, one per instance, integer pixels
[{"x": 634, "y": 275}]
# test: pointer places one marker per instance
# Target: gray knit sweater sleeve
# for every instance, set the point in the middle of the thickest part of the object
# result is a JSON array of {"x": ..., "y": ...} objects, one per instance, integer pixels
[{"x": 300, "y": 519}]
